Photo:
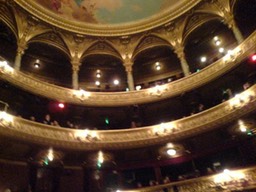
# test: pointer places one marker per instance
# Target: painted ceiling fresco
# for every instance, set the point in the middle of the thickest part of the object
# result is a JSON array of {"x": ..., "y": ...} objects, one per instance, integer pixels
[{"x": 107, "y": 11}]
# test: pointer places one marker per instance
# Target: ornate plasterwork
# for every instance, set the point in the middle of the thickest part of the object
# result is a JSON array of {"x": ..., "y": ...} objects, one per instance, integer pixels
[
  {"x": 52, "y": 39},
  {"x": 238, "y": 180},
  {"x": 215, "y": 117},
  {"x": 133, "y": 97},
  {"x": 106, "y": 30}
]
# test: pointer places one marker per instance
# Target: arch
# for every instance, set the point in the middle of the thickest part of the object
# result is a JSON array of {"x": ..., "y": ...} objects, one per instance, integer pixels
[
  {"x": 101, "y": 48},
  {"x": 149, "y": 41},
  {"x": 53, "y": 39},
  {"x": 8, "y": 46},
  {"x": 196, "y": 21},
  {"x": 54, "y": 64},
  {"x": 156, "y": 65},
  {"x": 200, "y": 43},
  {"x": 7, "y": 18},
  {"x": 108, "y": 66},
  {"x": 245, "y": 20}
]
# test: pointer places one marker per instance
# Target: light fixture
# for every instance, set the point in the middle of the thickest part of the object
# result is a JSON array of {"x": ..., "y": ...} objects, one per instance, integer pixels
[
  {"x": 37, "y": 64},
  {"x": 221, "y": 50},
  {"x": 253, "y": 57},
  {"x": 100, "y": 157},
  {"x": 157, "y": 66},
  {"x": 97, "y": 83},
  {"x": 216, "y": 38},
  {"x": 81, "y": 94},
  {"x": 5, "y": 67},
  {"x": 98, "y": 74},
  {"x": 138, "y": 87},
  {"x": 61, "y": 105},
  {"x": 171, "y": 152},
  {"x": 203, "y": 59},
  {"x": 217, "y": 43},
  {"x": 50, "y": 155},
  {"x": 116, "y": 82},
  {"x": 242, "y": 126},
  {"x": 86, "y": 135},
  {"x": 5, "y": 117}
]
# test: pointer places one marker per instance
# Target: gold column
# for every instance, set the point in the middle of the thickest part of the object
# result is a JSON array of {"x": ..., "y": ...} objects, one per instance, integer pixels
[
  {"x": 75, "y": 68},
  {"x": 20, "y": 52},
  {"x": 128, "y": 69},
  {"x": 237, "y": 33},
  {"x": 179, "y": 50}
]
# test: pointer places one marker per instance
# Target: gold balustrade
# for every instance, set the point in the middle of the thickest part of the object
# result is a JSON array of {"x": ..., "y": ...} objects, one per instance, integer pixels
[
  {"x": 154, "y": 94},
  {"x": 233, "y": 109},
  {"x": 228, "y": 181}
]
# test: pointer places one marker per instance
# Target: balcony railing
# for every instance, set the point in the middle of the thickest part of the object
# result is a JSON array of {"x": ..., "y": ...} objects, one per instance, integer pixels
[
  {"x": 154, "y": 94},
  {"x": 231, "y": 110},
  {"x": 228, "y": 181}
]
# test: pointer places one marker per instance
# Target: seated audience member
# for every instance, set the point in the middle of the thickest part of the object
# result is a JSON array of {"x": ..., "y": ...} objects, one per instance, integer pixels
[
  {"x": 55, "y": 123},
  {"x": 166, "y": 180},
  {"x": 32, "y": 118},
  {"x": 47, "y": 119}
]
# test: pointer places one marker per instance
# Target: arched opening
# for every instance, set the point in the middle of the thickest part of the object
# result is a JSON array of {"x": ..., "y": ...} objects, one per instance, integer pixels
[
  {"x": 245, "y": 16},
  {"x": 155, "y": 66},
  {"x": 8, "y": 43},
  {"x": 208, "y": 43},
  {"x": 102, "y": 72},
  {"x": 47, "y": 63}
]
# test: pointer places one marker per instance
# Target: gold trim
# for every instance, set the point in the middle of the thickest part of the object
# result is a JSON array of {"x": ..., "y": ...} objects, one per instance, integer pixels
[
  {"x": 207, "y": 183},
  {"x": 191, "y": 82},
  {"x": 215, "y": 117},
  {"x": 107, "y": 30}
]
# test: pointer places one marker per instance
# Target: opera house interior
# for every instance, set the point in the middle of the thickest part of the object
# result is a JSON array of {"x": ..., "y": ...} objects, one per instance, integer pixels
[{"x": 127, "y": 95}]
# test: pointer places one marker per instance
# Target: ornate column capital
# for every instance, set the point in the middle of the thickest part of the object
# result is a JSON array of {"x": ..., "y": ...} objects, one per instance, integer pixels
[
  {"x": 128, "y": 67},
  {"x": 179, "y": 50},
  {"x": 75, "y": 64},
  {"x": 128, "y": 63},
  {"x": 21, "y": 47}
]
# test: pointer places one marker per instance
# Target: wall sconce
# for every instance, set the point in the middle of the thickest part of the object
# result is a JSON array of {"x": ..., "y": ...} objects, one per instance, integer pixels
[
  {"x": 242, "y": 126},
  {"x": 81, "y": 94},
  {"x": 86, "y": 135},
  {"x": 228, "y": 176},
  {"x": 4, "y": 67},
  {"x": 241, "y": 99},
  {"x": 232, "y": 54},
  {"x": 158, "y": 90},
  {"x": 164, "y": 129},
  {"x": 5, "y": 118}
]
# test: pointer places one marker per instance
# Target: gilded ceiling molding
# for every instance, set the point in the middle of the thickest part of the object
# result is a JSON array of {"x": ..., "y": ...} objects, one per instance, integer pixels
[
  {"x": 106, "y": 30},
  {"x": 154, "y": 94},
  {"x": 57, "y": 137}
]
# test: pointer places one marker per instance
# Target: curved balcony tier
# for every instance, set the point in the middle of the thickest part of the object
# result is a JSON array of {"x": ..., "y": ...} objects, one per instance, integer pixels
[
  {"x": 154, "y": 94},
  {"x": 233, "y": 109}
]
